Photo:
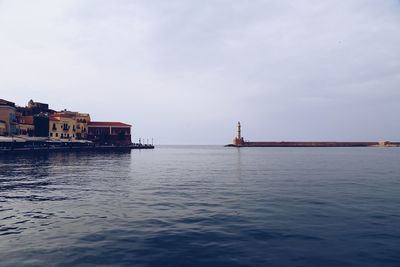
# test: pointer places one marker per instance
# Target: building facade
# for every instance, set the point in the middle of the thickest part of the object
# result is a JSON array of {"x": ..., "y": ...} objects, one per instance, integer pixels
[
  {"x": 33, "y": 119},
  {"x": 110, "y": 133},
  {"x": 26, "y": 129},
  {"x": 37, "y": 120},
  {"x": 68, "y": 125},
  {"x": 8, "y": 116},
  {"x": 41, "y": 123},
  {"x": 61, "y": 127},
  {"x": 3, "y": 128},
  {"x": 82, "y": 121}
]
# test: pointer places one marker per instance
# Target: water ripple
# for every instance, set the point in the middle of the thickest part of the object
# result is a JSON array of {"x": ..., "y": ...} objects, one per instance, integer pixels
[{"x": 207, "y": 206}]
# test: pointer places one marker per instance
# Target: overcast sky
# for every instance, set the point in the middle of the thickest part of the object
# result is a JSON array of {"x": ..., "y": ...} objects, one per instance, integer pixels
[{"x": 184, "y": 72}]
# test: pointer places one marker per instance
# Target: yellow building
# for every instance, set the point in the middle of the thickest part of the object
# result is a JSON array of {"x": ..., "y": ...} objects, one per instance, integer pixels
[
  {"x": 3, "y": 127},
  {"x": 67, "y": 125},
  {"x": 61, "y": 128},
  {"x": 7, "y": 115},
  {"x": 82, "y": 120}
]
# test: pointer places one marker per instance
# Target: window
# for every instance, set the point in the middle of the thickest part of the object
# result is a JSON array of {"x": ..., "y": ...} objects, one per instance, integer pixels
[
  {"x": 56, "y": 134},
  {"x": 51, "y": 134}
]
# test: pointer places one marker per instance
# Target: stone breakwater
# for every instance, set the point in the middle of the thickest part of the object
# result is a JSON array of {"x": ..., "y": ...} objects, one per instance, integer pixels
[{"x": 315, "y": 144}]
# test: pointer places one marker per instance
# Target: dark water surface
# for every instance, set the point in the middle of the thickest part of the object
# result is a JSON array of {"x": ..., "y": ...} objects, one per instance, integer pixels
[{"x": 202, "y": 206}]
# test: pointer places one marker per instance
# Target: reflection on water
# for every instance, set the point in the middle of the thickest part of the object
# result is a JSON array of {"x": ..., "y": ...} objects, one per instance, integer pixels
[{"x": 202, "y": 206}]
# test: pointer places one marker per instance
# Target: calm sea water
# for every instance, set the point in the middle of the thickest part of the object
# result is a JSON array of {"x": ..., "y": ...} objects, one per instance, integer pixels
[{"x": 202, "y": 206}]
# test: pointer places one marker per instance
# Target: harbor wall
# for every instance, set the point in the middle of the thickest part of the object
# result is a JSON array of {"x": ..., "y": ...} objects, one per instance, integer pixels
[{"x": 316, "y": 144}]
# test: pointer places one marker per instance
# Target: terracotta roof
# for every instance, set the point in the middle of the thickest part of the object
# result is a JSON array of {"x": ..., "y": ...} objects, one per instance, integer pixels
[
  {"x": 108, "y": 124},
  {"x": 65, "y": 114},
  {"x": 51, "y": 118},
  {"x": 6, "y": 103}
]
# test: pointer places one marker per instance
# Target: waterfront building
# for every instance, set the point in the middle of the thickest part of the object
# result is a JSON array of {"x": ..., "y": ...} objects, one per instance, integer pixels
[
  {"x": 8, "y": 116},
  {"x": 41, "y": 123},
  {"x": 3, "y": 128},
  {"x": 33, "y": 119},
  {"x": 36, "y": 120},
  {"x": 109, "y": 133},
  {"x": 62, "y": 127},
  {"x": 24, "y": 119},
  {"x": 25, "y": 125},
  {"x": 68, "y": 125},
  {"x": 82, "y": 121},
  {"x": 26, "y": 129},
  {"x": 33, "y": 125}
]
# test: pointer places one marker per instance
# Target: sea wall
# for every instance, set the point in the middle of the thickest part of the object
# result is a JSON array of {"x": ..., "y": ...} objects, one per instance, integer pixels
[{"x": 316, "y": 144}]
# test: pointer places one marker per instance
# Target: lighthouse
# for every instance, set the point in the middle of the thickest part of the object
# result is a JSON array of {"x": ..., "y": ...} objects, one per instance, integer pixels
[{"x": 238, "y": 141}]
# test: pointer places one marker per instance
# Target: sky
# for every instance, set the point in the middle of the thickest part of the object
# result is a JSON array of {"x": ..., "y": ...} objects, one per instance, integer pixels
[{"x": 184, "y": 72}]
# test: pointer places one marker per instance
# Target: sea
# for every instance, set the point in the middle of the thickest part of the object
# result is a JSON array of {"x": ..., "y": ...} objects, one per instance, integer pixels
[{"x": 202, "y": 206}]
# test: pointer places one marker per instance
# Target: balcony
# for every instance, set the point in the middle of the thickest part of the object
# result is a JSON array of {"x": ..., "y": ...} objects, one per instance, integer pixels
[{"x": 65, "y": 127}]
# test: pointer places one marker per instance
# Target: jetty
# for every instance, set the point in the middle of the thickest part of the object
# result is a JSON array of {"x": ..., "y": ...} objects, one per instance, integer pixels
[{"x": 239, "y": 141}]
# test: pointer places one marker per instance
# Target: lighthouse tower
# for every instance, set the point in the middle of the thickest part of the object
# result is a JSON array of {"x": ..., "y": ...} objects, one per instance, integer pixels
[{"x": 238, "y": 141}]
